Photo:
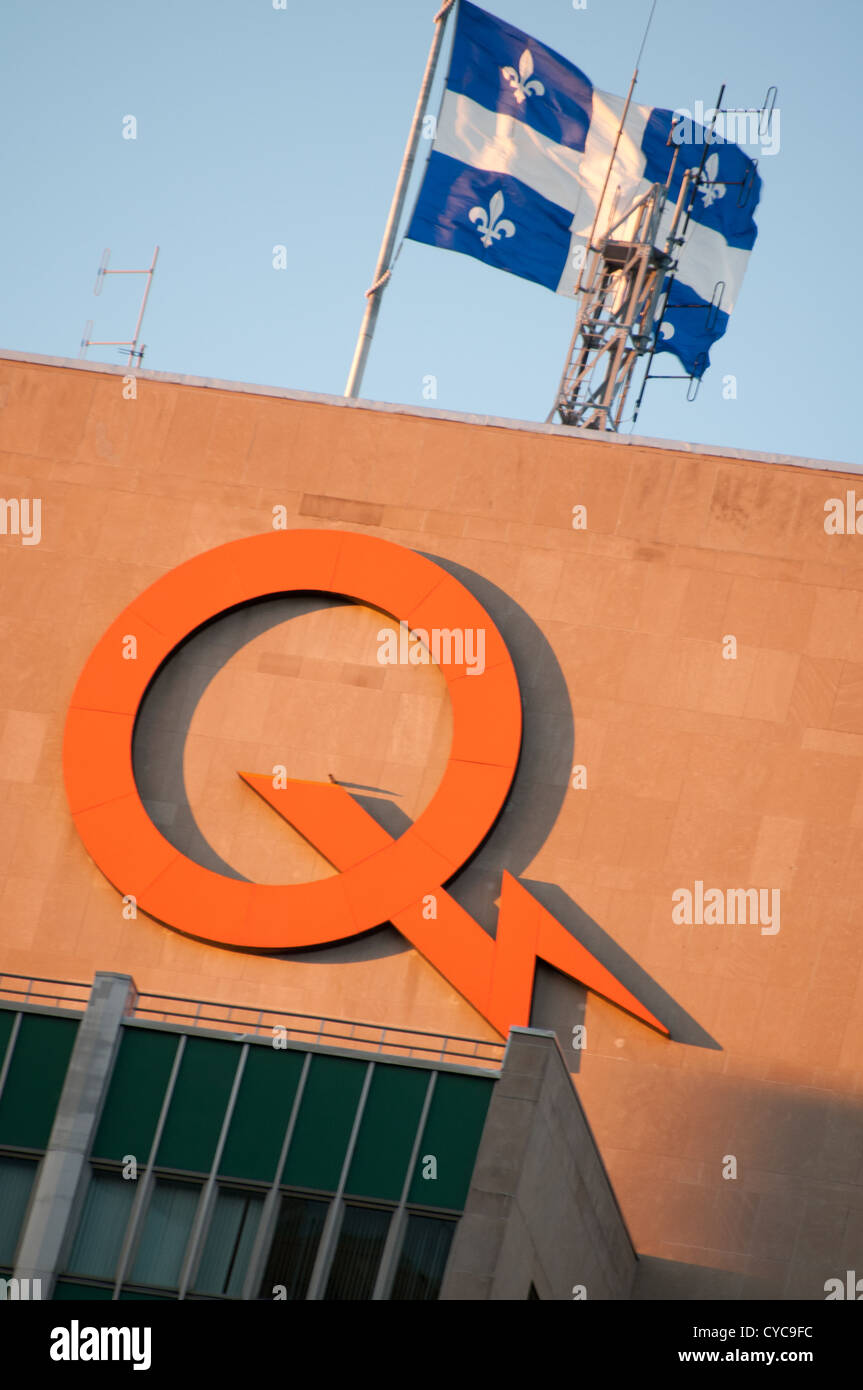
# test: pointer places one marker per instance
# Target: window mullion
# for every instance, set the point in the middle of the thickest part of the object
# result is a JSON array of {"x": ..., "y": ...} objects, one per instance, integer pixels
[
  {"x": 392, "y": 1245},
  {"x": 208, "y": 1196},
  {"x": 10, "y": 1048},
  {"x": 270, "y": 1213},
  {"x": 330, "y": 1233},
  {"x": 145, "y": 1183}
]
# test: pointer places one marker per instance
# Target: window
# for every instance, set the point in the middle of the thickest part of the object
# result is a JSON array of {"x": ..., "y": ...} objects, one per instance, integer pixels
[
  {"x": 358, "y": 1253},
  {"x": 16, "y": 1180},
  {"x": 233, "y": 1227},
  {"x": 163, "y": 1240},
  {"x": 100, "y": 1233},
  {"x": 423, "y": 1258},
  {"x": 295, "y": 1245}
]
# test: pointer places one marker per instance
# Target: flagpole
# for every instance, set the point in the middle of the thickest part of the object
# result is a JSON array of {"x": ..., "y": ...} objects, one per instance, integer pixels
[{"x": 383, "y": 269}]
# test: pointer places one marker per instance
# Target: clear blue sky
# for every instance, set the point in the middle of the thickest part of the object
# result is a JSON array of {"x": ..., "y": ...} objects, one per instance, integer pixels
[{"x": 259, "y": 126}]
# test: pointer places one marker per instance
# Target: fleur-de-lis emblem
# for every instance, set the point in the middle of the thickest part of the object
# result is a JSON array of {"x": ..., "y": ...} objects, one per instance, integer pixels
[
  {"x": 490, "y": 224},
  {"x": 522, "y": 83},
  {"x": 710, "y": 190}
]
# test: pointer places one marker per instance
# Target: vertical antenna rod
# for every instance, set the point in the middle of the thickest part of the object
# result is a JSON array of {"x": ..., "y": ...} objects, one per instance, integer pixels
[
  {"x": 383, "y": 269},
  {"x": 624, "y": 114}
]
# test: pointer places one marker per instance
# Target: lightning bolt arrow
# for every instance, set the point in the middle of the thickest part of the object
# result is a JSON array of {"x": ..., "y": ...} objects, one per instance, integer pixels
[{"x": 494, "y": 974}]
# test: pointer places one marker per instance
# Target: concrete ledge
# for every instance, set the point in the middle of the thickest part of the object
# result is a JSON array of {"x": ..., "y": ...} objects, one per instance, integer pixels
[{"x": 430, "y": 413}]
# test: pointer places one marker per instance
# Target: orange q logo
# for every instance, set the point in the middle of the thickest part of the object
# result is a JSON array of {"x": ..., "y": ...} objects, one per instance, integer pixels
[{"x": 380, "y": 879}]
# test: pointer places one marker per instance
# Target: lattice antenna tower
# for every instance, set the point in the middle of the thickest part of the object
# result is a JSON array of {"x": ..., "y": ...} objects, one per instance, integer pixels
[{"x": 623, "y": 289}]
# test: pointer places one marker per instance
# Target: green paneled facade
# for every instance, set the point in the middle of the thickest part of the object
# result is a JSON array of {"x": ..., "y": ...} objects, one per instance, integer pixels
[
  {"x": 239, "y": 1169},
  {"x": 138, "y": 1085},
  {"x": 41, "y": 1046}
]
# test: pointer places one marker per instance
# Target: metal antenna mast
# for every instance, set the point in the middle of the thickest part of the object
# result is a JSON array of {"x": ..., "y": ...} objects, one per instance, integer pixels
[
  {"x": 623, "y": 290},
  {"x": 617, "y": 295},
  {"x": 130, "y": 343},
  {"x": 623, "y": 279}
]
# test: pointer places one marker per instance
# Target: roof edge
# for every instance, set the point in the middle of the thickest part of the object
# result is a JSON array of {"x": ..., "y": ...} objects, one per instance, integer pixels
[{"x": 432, "y": 413}]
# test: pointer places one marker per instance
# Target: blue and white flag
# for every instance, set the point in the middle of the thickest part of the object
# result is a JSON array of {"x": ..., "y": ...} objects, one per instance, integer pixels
[{"x": 518, "y": 165}]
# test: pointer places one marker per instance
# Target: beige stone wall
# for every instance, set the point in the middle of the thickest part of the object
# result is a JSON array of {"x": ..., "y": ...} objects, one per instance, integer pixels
[{"x": 743, "y": 773}]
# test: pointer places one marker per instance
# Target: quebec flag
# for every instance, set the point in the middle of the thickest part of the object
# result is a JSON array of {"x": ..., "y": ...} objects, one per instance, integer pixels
[{"x": 518, "y": 165}]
